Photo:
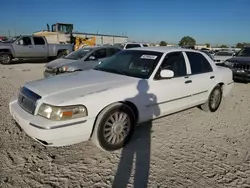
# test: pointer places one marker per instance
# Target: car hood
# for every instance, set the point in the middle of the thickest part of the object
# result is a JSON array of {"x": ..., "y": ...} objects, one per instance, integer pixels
[
  {"x": 221, "y": 58},
  {"x": 89, "y": 81},
  {"x": 60, "y": 62},
  {"x": 5, "y": 44},
  {"x": 239, "y": 60}
]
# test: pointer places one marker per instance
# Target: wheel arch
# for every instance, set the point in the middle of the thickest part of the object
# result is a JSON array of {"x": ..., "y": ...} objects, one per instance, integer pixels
[{"x": 131, "y": 105}]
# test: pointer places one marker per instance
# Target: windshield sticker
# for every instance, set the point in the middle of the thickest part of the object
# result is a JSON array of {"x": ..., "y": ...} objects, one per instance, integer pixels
[{"x": 148, "y": 57}]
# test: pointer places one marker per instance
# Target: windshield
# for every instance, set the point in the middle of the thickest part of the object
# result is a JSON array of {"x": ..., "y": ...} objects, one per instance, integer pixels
[
  {"x": 78, "y": 54},
  {"x": 224, "y": 53},
  {"x": 134, "y": 63},
  {"x": 244, "y": 52}
]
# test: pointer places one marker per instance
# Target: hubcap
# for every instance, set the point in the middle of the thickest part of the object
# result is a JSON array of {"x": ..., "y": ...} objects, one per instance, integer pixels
[
  {"x": 117, "y": 128},
  {"x": 4, "y": 58},
  {"x": 215, "y": 99}
]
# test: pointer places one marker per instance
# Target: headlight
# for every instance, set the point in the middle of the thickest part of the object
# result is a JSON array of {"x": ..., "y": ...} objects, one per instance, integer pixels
[
  {"x": 62, "y": 69},
  {"x": 227, "y": 63},
  {"x": 57, "y": 113}
]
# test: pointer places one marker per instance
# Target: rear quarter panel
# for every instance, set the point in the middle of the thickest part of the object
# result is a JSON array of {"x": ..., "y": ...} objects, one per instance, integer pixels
[{"x": 225, "y": 75}]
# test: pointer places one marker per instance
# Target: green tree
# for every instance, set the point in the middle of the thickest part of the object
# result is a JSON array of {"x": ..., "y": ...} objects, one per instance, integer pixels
[
  {"x": 223, "y": 46},
  {"x": 239, "y": 45},
  {"x": 187, "y": 40},
  {"x": 163, "y": 43},
  {"x": 208, "y": 45}
]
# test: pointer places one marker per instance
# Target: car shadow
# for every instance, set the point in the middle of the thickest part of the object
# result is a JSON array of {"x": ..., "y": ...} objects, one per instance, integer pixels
[{"x": 137, "y": 152}]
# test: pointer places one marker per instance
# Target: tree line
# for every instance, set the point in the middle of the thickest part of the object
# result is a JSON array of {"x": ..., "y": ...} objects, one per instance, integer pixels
[{"x": 190, "y": 41}]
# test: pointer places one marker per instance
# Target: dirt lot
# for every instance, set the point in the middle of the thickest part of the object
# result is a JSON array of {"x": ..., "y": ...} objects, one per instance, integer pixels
[{"x": 188, "y": 149}]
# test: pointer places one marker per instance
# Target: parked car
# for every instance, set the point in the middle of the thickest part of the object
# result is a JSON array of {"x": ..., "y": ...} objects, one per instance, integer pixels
[
  {"x": 222, "y": 56},
  {"x": 104, "y": 104},
  {"x": 31, "y": 47},
  {"x": 208, "y": 53},
  {"x": 81, "y": 59},
  {"x": 240, "y": 64},
  {"x": 130, "y": 45}
]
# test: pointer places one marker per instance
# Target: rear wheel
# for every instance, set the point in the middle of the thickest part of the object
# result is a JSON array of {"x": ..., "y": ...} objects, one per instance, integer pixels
[
  {"x": 61, "y": 54},
  {"x": 114, "y": 127},
  {"x": 5, "y": 58},
  {"x": 214, "y": 100}
]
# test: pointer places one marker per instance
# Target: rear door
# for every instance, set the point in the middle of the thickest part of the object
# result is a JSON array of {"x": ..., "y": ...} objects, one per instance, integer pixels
[
  {"x": 202, "y": 77},
  {"x": 39, "y": 47}
]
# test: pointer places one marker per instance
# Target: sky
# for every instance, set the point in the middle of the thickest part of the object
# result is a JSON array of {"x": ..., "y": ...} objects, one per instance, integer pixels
[{"x": 214, "y": 21}]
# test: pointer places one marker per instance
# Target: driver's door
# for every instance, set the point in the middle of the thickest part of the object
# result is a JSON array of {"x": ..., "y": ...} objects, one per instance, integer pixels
[
  {"x": 23, "y": 48},
  {"x": 173, "y": 94}
]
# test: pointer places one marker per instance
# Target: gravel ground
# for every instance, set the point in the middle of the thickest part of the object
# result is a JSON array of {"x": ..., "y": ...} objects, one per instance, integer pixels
[{"x": 188, "y": 149}]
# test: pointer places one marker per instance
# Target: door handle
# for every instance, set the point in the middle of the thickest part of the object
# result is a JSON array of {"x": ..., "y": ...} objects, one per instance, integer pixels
[
  {"x": 188, "y": 81},
  {"x": 211, "y": 77},
  {"x": 30, "y": 46}
]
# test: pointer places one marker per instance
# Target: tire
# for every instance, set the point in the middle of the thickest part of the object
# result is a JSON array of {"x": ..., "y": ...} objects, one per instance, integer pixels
[
  {"x": 5, "y": 58},
  {"x": 105, "y": 117},
  {"x": 61, "y": 54},
  {"x": 210, "y": 105}
]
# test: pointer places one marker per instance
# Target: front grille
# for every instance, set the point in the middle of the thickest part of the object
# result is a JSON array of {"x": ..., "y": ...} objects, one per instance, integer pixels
[
  {"x": 27, "y": 100},
  {"x": 240, "y": 66}
]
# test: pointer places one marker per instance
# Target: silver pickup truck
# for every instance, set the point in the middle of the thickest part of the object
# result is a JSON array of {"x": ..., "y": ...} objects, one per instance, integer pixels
[{"x": 31, "y": 47}]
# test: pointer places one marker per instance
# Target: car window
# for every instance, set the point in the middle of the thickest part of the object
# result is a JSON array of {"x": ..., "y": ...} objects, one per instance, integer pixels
[
  {"x": 26, "y": 41},
  {"x": 134, "y": 63},
  {"x": 112, "y": 51},
  {"x": 199, "y": 64},
  {"x": 145, "y": 45},
  {"x": 175, "y": 62},
  {"x": 101, "y": 53},
  {"x": 132, "y": 46},
  {"x": 38, "y": 41}
]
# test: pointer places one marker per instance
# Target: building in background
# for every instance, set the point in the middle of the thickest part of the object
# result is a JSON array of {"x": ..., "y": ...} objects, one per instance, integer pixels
[{"x": 102, "y": 39}]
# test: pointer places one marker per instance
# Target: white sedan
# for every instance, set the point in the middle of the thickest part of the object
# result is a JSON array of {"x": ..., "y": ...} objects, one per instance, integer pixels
[{"x": 105, "y": 104}]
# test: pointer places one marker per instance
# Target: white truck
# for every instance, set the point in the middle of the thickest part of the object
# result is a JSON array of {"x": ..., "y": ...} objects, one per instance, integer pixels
[{"x": 31, "y": 47}]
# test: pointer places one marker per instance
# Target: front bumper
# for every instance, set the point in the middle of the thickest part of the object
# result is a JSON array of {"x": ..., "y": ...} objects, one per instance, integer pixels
[
  {"x": 241, "y": 75},
  {"x": 51, "y": 133},
  {"x": 47, "y": 74}
]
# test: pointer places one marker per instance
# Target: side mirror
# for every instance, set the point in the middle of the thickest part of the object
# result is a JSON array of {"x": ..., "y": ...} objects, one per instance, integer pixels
[
  {"x": 165, "y": 73},
  {"x": 20, "y": 42},
  {"x": 92, "y": 57}
]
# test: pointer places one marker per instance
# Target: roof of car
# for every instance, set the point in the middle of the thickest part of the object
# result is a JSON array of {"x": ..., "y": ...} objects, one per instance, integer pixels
[{"x": 163, "y": 49}]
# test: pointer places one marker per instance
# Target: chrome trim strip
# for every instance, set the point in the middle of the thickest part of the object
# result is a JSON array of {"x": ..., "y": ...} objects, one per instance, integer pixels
[
  {"x": 57, "y": 126},
  {"x": 177, "y": 98}
]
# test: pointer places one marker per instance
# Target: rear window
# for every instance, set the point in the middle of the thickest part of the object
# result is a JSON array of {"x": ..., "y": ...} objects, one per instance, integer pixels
[{"x": 132, "y": 46}]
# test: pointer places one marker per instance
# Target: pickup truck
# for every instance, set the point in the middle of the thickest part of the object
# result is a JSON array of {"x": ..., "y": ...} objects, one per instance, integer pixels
[{"x": 31, "y": 47}]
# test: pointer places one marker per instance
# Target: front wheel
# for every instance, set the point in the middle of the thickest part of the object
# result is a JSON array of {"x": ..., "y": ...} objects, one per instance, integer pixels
[
  {"x": 5, "y": 58},
  {"x": 214, "y": 100},
  {"x": 114, "y": 127}
]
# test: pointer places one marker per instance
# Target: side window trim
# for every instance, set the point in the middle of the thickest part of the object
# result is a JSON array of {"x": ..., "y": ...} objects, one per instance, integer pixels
[
  {"x": 188, "y": 66},
  {"x": 162, "y": 61}
]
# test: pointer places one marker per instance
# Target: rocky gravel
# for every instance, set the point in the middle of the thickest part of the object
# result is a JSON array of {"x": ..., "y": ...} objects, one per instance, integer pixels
[{"x": 189, "y": 149}]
